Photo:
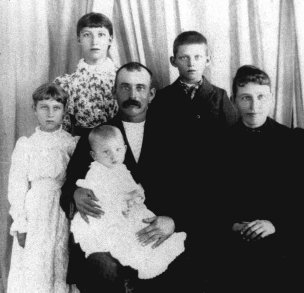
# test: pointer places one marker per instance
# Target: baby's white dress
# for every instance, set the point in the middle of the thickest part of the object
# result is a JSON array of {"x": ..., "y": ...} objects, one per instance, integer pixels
[
  {"x": 115, "y": 231},
  {"x": 36, "y": 175}
]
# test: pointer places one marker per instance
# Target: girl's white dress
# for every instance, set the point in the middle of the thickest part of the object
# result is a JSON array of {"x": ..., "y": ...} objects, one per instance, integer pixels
[
  {"x": 115, "y": 231},
  {"x": 36, "y": 175}
]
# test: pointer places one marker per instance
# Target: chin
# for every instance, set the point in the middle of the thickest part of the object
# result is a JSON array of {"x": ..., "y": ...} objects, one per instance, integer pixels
[{"x": 193, "y": 80}]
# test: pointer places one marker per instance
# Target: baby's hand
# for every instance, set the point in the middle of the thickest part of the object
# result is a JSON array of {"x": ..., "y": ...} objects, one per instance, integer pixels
[
  {"x": 21, "y": 237},
  {"x": 134, "y": 197},
  {"x": 257, "y": 229}
]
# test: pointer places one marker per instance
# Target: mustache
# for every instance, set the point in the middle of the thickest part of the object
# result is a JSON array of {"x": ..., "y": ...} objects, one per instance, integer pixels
[{"x": 131, "y": 102}]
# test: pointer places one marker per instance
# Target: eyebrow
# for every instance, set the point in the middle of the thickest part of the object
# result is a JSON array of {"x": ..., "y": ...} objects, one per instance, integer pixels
[{"x": 137, "y": 84}]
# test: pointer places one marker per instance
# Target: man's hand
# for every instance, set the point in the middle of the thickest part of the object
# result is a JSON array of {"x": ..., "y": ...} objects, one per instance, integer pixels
[
  {"x": 158, "y": 231},
  {"x": 86, "y": 205},
  {"x": 21, "y": 237},
  {"x": 254, "y": 230}
]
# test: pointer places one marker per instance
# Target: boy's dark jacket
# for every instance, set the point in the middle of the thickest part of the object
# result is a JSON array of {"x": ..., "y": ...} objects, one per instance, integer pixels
[
  {"x": 209, "y": 108},
  {"x": 188, "y": 136}
]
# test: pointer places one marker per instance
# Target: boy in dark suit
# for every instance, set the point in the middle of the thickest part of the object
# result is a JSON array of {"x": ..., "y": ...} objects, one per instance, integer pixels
[
  {"x": 195, "y": 99},
  {"x": 190, "y": 115}
]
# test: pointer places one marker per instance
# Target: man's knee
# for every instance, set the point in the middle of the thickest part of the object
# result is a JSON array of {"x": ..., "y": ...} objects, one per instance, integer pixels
[{"x": 104, "y": 265}]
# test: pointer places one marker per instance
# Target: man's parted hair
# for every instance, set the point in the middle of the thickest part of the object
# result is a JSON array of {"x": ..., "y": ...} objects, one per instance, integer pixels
[
  {"x": 249, "y": 73},
  {"x": 94, "y": 19},
  {"x": 133, "y": 66},
  {"x": 186, "y": 38},
  {"x": 102, "y": 132},
  {"x": 49, "y": 91}
]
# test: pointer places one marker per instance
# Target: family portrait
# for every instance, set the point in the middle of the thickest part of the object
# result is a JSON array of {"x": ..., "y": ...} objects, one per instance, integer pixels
[{"x": 151, "y": 146}]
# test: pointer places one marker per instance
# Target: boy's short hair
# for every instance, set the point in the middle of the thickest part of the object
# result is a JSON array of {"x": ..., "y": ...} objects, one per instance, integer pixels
[
  {"x": 188, "y": 37},
  {"x": 133, "y": 66},
  {"x": 50, "y": 91},
  {"x": 94, "y": 19},
  {"x": 249, "y": 73},
  {"x": 102, "y": 132}
]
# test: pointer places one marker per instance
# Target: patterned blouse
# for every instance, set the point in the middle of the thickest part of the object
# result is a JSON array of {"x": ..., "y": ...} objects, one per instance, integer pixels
[{"x": 90, "y": 94}]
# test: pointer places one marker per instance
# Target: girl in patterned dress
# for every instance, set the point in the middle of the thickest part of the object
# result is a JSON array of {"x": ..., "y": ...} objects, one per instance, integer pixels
[
  {"x": 40, "y": 228},
  {"x": 89, "y": 88}
]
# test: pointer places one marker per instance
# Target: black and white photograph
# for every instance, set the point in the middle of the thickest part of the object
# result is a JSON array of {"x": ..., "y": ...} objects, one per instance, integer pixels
[{"x": 151, "y": 146}]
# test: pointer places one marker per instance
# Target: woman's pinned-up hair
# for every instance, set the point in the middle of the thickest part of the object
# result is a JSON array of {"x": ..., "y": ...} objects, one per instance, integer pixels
[{"x": 249, "y": 73}]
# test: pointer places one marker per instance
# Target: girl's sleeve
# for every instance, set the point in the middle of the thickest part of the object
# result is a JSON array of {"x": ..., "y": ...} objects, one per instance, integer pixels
[
  {"x": 72, "y": 145},
  {"x": 18, "y": 186},
  {"x": 92, "y": 179}
]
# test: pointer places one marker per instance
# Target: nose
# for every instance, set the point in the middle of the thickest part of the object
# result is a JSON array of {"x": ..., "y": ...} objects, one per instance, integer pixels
[
  {"x": 133, "y": 93},
  {"x": 94, "y": 39},
  {"x": 50, "y": 112},
  {"x": 113, "y": 157},
  {"x": 190, "y": 61},
  {"x": 254, "y": 104}
]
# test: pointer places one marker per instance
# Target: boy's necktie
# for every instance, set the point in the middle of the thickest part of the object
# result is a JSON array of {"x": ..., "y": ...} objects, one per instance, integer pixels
[{"x": 191, "y": 90}]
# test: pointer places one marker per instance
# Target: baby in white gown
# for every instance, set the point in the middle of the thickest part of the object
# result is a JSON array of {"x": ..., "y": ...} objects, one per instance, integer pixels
[{"x": 122, "y": 201}]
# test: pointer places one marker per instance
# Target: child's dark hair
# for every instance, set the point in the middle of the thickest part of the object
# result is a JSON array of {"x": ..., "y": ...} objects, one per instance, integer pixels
[
  {"x": 188, "y": 37},
  {"x": 101, "y": 133},
  {"x": 133, "y": 66},
  {"x": 50, "y": 91},
  {"x": 94, "y": 19},
  {"x": 249, "y": 73}
]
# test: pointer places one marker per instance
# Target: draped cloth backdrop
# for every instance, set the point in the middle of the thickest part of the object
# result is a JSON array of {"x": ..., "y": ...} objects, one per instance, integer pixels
[{"x": 39, "y": 43}]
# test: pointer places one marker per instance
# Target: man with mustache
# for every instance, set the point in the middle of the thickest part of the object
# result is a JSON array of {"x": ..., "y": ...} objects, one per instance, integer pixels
[{"x": 100, "y": 271}]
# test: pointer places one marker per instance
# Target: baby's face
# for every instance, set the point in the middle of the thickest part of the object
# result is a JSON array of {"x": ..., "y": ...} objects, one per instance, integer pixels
[{"x": 110, "y": 152}]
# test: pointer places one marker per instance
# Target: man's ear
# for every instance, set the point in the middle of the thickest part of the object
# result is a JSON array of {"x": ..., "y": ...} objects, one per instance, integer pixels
[
  {"x": 172, "y": 61},
  {"x": 92, "y": 153},
  {"x": 152, "y": 94},
  {"x": 114, "y": 91}
]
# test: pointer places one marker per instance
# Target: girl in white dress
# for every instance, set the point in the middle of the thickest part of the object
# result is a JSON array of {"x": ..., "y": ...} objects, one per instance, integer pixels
[
  {"x": 40, "y": 228},
  {"x": 122, "y": 201}
]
